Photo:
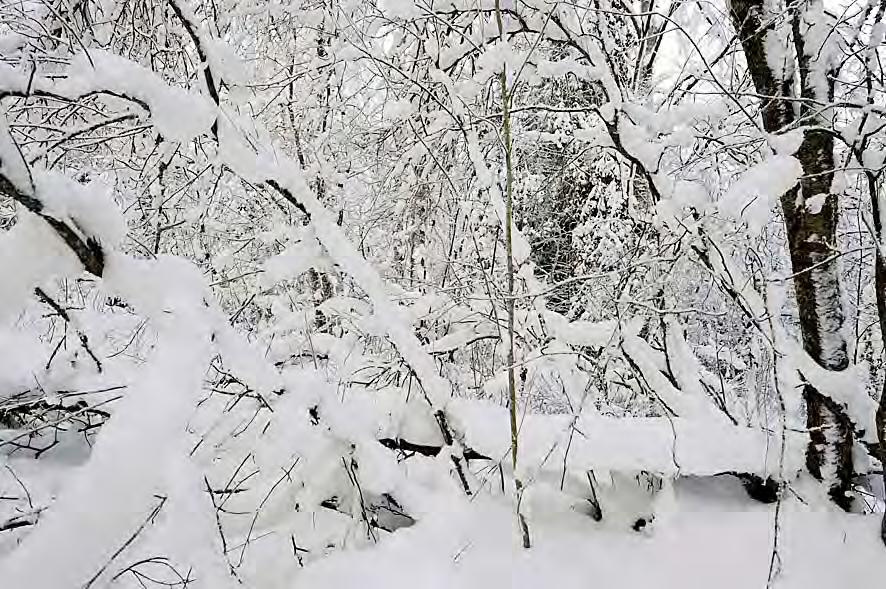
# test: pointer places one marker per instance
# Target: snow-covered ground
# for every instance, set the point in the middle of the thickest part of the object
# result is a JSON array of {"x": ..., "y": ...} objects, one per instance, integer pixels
[
  {"x": 689, "y": 531},
  {"x": 709, "y": 536}
]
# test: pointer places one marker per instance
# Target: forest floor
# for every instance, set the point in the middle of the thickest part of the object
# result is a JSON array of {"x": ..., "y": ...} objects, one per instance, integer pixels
[{"x": 710, "y": 535}]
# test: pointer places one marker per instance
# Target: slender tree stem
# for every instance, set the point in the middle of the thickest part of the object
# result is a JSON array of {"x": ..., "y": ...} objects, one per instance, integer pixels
[{"x": 509, "y": 254}]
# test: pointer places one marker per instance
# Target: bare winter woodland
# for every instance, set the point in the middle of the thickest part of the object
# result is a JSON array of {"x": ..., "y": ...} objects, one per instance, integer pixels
[{"x": 442, "y": 293}]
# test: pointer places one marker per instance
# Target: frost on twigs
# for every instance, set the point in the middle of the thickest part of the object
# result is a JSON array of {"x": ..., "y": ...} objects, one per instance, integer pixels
[{"x": 257, "y": 315}]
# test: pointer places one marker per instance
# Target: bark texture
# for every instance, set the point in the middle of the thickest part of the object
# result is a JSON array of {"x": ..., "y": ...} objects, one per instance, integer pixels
[{"x": 811, "y": 234}]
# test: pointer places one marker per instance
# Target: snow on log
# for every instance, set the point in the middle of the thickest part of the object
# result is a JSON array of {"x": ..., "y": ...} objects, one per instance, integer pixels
[{"x": 668, "y": 447}]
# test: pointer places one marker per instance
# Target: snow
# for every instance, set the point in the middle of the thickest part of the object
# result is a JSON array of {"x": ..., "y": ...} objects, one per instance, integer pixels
[
  {"x": 462, "y": 337},
  {"x": 244, "y": 358},
  {"x": 299, "y": 257},
  {"x": 685, "y": 366},
  {"x": 494, "y": 57},
  {"x": 686, "y": 403},
  {"x": 659, "y": 445},
  {"x": 11, "y": 78},
  {"x": 264, "y": 167},
  {"x": 90, "y": 206},
  {"x": 703, "y": 543},
  {"x": 11, "y": 43},
  {"x": 177, "y": 114},
  {"x": 30, "y": 255},
  {"x": 109, "y": 497},
  {"x": 397, "y": 110},
  {"x": 520, "y": 246},
  {"x": 829, "y": 315},
  {"x": 484, "y": 176},
  {"x": 12, "y": 165},
  {"x": 787, "y": 143},
  {"x": 725, "y": 355},
  {"x": 269, "y": 430},
  {"x": 225, "y": 63},
  {"x": 556, "y": 69},
  {"x": 21, "y": 362},
  {"x": 755, "y": 193},
  {"x": 847, "y": 387},
  {"x": 822, "y": 50},
  {"x": 400, "y": 8},
  {"x": 778, "y": 58},
  {"x": 191, "y": 534},
  {"x": 597, "y": 334},
  {"x": 815, "y": 203}
]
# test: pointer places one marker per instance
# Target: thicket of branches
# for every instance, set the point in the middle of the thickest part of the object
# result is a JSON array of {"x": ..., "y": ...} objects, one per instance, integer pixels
[{"x": 267, "y": 263}]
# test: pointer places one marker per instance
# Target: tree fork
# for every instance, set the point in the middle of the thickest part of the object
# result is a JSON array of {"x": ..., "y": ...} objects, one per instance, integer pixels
[{"x": 810, "y": 235}]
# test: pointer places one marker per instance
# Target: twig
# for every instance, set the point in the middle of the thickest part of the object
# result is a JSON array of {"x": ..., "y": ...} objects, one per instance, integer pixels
[
  {"x": 130, "y": 540},
  {"x": 63, "y": 313}
]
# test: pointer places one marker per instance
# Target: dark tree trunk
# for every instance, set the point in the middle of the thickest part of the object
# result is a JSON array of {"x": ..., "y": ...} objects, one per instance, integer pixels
[
  {"x": 880, "y": 289},
  {"x": 811, "y": 233}
]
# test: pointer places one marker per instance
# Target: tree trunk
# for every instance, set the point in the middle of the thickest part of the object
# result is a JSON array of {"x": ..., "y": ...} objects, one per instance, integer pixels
[
  {"x": 880, "y": 290},
  {"x": 811, "y": 235}
]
